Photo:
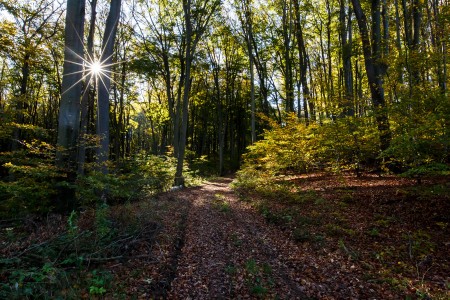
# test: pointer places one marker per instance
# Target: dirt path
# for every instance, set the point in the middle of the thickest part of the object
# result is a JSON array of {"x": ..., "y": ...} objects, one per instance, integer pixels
[{"x": 230, "y": 252}]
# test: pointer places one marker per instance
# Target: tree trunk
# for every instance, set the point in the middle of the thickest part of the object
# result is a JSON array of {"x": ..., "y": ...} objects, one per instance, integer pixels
[
  {"x": 252, "y": 93},
  {"x": 303, "y": 59},
  {"x": 288, "y": 78},
  {"x": 22, "y": 101},
  {"x": 88, "y": 93},
  {"x": 373, "y": 68},
  {"x": 69, "y": 111},
  {"x": 203, "y": 16},
  {"x": 109, "y": 38},
  {"x": 179, "y": 179},
  {"x": 346, "y": 40}
]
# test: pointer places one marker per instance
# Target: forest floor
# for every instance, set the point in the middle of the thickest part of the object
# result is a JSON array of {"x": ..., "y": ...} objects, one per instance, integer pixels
[
  {"x": 316, "y": 237},
  {"x": 334, "y": 237}
]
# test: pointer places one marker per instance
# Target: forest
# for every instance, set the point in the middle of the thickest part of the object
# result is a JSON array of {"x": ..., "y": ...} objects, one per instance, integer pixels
[{"x": 202, "y": 149}]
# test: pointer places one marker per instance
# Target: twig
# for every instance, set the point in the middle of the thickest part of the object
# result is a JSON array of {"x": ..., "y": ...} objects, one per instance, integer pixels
[
  {"x": 121, "y": 257},
  {"x": 35, "y": 246}
]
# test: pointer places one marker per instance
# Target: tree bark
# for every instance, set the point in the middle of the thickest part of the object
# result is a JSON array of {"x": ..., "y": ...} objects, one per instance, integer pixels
[
  {"x": 303, "y": 59},
  {"x": 88, "y": 93},
  {"x": 69, "y": 111},
  {"x": 288, "y": 78},
  {"x": 346, "y": 40},
  {"x": 373, "y": 68},
  {"x": 179, "y": 179},
  {"x": 202, "y": 19},
  {"x": 109, "y": 38}
]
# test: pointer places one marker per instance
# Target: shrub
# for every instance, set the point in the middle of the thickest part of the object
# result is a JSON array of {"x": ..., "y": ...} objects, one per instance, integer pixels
[
  {"x": 421, "y": 136},
  {"x": 30, "y": 181},
  {"x": 346, "y": 143},
  {"x": 130, "y": 180}
]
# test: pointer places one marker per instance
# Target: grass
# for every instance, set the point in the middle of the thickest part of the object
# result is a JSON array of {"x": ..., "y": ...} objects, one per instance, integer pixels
[
  {"x": 259, "y": 278},
  {"x": 221, "y": 203}
]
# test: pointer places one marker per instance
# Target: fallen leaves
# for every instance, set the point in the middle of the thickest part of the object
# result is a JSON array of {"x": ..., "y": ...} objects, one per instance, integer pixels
[{"x": 340, "y": 237}]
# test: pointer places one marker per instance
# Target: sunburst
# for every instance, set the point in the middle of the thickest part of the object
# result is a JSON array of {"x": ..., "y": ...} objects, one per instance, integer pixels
[{"x": 93, "y": 68}]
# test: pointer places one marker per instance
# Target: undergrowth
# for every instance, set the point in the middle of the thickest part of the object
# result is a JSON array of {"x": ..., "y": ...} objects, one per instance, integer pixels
[{"x": 68, "y": 257}]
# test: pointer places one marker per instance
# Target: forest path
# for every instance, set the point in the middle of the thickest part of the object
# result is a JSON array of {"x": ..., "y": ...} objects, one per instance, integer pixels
[{"x": 230, "y": 252}]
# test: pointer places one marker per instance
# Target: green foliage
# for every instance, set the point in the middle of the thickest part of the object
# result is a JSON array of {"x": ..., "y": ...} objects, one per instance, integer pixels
[
  {"x": 284, "y": 148},
  {"x": 421, "y": 134},
  {"x": 102, "y": 223},
  {"x": 68, "y": 263},
  {"x": 348, "y": 143},
  {"x": 344, "y": 144},
  {"x": 98, "y": 282},
  {"x": 258, "y": 278},
  {"x": 30, "y": 282},
  {"x": 203, "y": 166},
  {"x": 221, "y": 203},
  {"x": 30, "y": 180},
  {"x": 132, "y": 179},
  {"x": 432, "y": 168}
]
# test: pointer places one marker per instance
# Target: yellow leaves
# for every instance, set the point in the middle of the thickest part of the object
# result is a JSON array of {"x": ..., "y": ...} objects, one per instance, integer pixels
[
  {"x": 8, "y": 165},
  {"x": 7, "y": 33}
]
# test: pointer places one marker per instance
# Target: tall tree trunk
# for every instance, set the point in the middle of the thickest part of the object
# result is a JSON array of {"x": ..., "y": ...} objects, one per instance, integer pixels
[
  {"x": 88, "y": 93},
  {"x": 417, "y": 18},
  {"x": 22, "y": 100},
  {"x": 252, "y": 92},
  {"x": 178, "y": 107},
  {"x": 346, "y": 40},
  {"x": 330, "y": 81},
  {"x": 303, "y": 59},
  {"x": 179, "y": 179},
  {"x": 203, "y": 15},
  {"x": 288, "y": 78},
  {"x": 109, "y": 38},
  {"x": 69, "y": 111},
  {"x": 121, "y": 128},
  {"x": 373, "y": 68},
  {"x": 247, "y": 25}
]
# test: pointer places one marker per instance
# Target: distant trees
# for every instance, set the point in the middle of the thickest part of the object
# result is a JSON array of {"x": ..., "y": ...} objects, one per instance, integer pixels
[{"x": 34, "y": 28}]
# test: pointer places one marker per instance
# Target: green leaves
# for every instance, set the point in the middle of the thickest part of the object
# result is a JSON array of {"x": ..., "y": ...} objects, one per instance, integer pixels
[{"x": 344, "y": 144}]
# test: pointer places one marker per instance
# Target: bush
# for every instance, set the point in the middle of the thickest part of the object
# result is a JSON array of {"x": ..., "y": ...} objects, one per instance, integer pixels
[
  {"x": 30, "y": 180},
  {"x": 421, "y": 135},
  {"x": 347, "y": 143},
  {"x": 130, "y": 180},
  {"x": 344, "y": 144},
  {"x": 284, "y": 148}
]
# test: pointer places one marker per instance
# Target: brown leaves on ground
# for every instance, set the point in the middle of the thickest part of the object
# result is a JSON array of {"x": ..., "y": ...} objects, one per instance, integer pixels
[
  {"x": 311, "y": 237},
  {"x": 338, "y": 237}
]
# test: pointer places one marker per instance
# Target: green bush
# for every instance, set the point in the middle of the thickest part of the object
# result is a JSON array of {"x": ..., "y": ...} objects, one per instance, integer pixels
[
  {"x": 284, "y": 148},
  {"x": 30, "y": 182},
  {"x": 128, "y": 181},
  {"x": 421, "y": 135},
  {"x": 346, "y": 143}
]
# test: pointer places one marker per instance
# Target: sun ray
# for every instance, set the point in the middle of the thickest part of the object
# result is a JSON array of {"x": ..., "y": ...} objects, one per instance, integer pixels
[
  {"x": 75, "y": 84},
  {"x": 97, "y": 68}
]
